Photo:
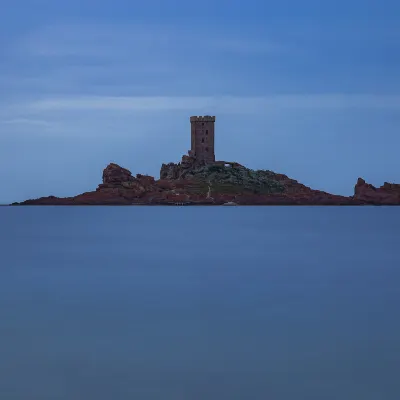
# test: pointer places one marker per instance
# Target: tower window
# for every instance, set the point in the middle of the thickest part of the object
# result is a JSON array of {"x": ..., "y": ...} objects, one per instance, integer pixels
[
  {"x": 202, "y": 140},
  {"x": 206, "y": 132},
  {"x": 206, "y": 148},
  {"x": 202, "y": 123}
]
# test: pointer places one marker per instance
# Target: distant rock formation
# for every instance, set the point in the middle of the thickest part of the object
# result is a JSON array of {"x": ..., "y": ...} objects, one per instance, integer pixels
[
  {"x": 118, "y": 180},
  {"x": 388, "y": 194},
  {"x": 219, "y": 183}
]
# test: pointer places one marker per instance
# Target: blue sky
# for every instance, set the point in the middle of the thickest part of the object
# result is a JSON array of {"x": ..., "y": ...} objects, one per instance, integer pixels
[{"x": 310, "y": 89}]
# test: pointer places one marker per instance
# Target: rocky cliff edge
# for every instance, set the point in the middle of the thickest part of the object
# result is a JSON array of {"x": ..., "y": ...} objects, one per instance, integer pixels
[{"x": 189, "y": 183}]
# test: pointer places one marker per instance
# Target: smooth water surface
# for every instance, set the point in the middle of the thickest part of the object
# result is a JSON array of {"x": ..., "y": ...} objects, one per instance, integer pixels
[{"x": 219, "y": 303}]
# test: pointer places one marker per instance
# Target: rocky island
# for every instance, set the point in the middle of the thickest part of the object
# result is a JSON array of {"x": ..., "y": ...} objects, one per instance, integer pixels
[{"x": 198, "y": 179}]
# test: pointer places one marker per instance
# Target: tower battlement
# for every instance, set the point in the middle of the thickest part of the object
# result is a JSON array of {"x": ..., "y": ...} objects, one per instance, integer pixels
[{"x": 205, "y": 118}]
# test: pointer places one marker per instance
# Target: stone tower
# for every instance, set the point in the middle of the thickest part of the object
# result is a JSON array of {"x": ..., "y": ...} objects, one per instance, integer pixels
[{"x": 202, "y": 135}]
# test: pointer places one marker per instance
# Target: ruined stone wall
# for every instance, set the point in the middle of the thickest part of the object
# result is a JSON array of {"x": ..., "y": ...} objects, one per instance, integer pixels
[{"x": 202, "y": 138}]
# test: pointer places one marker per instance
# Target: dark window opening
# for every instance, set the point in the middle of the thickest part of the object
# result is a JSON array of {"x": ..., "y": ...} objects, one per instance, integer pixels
[
  {"x": 202, "y": 140},
  {"x": 202, "y": 123},
  {"x": 206, "y": 148},
  {"x": 206, "y": 132}
]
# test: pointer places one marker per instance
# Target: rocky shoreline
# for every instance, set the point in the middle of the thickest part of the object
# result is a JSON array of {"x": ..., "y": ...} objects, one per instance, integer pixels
[{"x": 189, "y": 183}]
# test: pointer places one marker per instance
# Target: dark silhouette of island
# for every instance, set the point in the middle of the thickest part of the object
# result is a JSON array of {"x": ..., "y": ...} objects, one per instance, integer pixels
[{"x": 201, "y": 180}]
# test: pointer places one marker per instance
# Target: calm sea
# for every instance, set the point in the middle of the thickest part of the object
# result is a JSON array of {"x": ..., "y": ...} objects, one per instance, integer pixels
[{"x": 199, "y": 303}]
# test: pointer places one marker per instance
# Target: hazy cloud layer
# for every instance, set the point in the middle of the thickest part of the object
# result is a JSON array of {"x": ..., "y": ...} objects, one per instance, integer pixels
[{"x": 228, "y": 104}]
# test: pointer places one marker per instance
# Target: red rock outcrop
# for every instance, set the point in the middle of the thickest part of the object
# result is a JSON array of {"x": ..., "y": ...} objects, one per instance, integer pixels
[
  {"x": 119, "y": 182},
  {"x": 119, "y": 187},
  {"x": 388, "y": 194}
]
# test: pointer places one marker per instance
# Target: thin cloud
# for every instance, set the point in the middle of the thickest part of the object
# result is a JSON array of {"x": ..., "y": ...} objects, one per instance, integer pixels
[
  {"x": 227, "y": 104},
  {"x": 247, "y": 46},
  {"x": 103, "y": 40},
  {"x": 27, "y": 121}
]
